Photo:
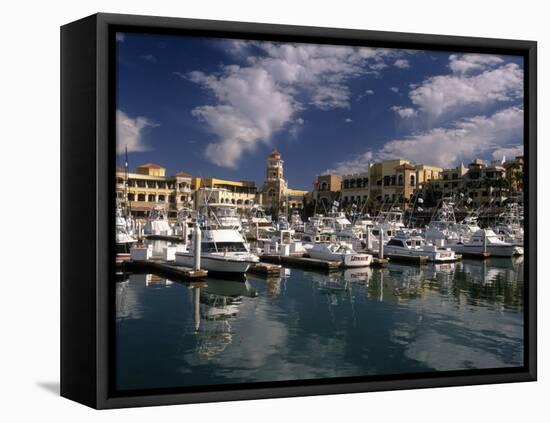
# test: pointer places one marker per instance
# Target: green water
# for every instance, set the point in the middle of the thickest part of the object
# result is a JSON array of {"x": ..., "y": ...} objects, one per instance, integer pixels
[{"x": 308, "y": 325}]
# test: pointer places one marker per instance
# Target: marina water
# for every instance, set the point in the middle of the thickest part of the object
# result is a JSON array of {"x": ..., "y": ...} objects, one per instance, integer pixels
[{"x": 309, "y": 325}]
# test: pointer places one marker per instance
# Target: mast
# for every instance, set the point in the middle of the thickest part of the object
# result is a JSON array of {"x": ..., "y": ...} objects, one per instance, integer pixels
[{"x": 127, "y": 209}]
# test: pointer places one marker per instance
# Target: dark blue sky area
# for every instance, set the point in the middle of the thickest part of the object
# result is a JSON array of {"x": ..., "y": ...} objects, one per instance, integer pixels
[{"x": 341, "y": 111}]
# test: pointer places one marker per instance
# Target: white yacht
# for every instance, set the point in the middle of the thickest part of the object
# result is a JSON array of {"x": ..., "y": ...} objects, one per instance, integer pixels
[
  {"x": 485, "y": 240},
  {"x": 341, "y": 252},
  {"x": 510, "y": 227},
  {"x": 296, "y": 222},
  {"x": 223, "y": 250},
  {"x": 406, "y": 244},
  {"x": 123, "y": 238},
  {"x": 157, "y": 223}
]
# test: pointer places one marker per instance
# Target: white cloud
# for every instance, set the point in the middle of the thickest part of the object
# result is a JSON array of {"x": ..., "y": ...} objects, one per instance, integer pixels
[
  {"x": 356, "y": 164},
  {"x": 364, "y": 94},
  {"x": 464, "y": 63},
  {"x": 440, "y": 94},
  {"x": 401, "y": 64},
  {"x": 509, "y": 152},
  {"x": 262, "y": 95},
  {"x": 148, "y": 58},
  {"x": 348, "y": 120},
  {"x": 404, "y": 112},
  {"x": 465, "y": 139},
  {"x": 250, "y": 109},
  {"x": 394, "y": 89},
  {"x": 120, "y": 37},
  {"x": 129, "y": 132}
]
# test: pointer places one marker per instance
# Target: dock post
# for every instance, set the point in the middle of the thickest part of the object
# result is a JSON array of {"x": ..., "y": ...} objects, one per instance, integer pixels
[
  {"x": 381, "y": 245},
  {"x": 484, "y": 242},
  {"x": 369, "y": 243},
  {"x": 197, "y": 247},
  {"x": 184, "y": 231}
]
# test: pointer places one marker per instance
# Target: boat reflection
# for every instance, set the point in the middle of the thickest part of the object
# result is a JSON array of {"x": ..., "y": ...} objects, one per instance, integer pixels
[{"x": 215, "y": 304}]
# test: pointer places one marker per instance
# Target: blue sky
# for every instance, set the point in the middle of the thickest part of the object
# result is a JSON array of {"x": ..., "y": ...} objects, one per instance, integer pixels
[{"x": 217, "y": 107}]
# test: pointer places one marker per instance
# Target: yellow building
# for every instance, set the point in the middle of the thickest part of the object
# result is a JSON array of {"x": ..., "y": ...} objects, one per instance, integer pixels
[
  {"x": 213, "y": 190},
  {"x": 149, "y": 187},
  {"x": 427, "y": 173},
  {"x": 295, "y": 198}
]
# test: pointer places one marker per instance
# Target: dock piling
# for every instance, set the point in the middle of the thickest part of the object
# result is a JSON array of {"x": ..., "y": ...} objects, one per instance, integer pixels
[
  {"x": 197, "y": 247},
  {"x": 381, "y": 244}
]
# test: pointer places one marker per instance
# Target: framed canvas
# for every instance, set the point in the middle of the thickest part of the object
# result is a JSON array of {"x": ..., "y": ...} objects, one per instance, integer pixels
[{"x": 256, "y": 211}]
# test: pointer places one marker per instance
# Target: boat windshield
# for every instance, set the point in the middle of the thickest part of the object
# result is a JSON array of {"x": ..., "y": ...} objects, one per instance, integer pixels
[{"x": 220, "y": 247}]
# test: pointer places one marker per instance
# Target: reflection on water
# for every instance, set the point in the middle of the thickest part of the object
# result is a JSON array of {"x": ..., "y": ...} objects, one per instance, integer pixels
[{"x": 306, "y": 325}]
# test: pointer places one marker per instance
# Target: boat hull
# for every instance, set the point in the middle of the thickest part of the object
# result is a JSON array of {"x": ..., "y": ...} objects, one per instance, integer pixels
[
  {"x": 218, "y": 264},
  {"x": 436, "y": 256},
  {"x": 493, "y": 250},
  {"x": 347, "y": 260}
]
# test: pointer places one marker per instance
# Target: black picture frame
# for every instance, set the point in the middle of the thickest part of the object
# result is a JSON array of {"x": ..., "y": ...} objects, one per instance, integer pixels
[{"x": 87, "y": 207}]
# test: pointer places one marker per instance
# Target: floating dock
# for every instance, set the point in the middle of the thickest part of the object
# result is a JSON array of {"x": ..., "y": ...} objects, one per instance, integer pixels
[
  {"x": 481, "y": 255},
  {"x": 380, "y": 262},
  {"x": 301, "y": 262},
  {"x": 164, "y": 268},
  {"x": 266, "y": 269}
]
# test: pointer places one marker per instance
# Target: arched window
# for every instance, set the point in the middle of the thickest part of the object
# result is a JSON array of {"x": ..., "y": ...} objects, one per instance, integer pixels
[
  {"x": 163, "y": 198},
  {"x": 400, "y": 180},
  {"x": 412, "y": 181},
  {"x": 151, "y": 197},
  {"x": 271, "y": 192},
  {"x": 324, "y": 186}
]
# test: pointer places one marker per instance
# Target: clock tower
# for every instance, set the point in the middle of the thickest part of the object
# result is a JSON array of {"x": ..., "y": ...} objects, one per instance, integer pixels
[{"x": 275, "y": 187}]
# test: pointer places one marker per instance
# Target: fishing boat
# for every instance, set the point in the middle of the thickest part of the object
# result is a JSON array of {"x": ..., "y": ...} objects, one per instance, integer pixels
[
  {"x": 123, "y": 238},
  {"x": 485, "y": 241},
  {"x": 223, "y": 250},
  {"x": 157, "y": 223},
  {"x": 340, "y": 252},
  {"x": 413, "y": 245}
]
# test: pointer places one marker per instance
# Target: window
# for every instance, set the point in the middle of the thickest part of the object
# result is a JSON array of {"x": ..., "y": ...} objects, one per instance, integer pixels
[
  {"x": 151, "y": 197},
  {"x": 210, "y": 247},
  {"x": 386, "y": 180},
  {"x": 346, "y": 184},
  {"x": 141, "y": 197},
  {"x": 412, "y": 181},
  {"x": 324, "y": 186},
  {"x": 131, "y": 197},
  {"x": 393, "y": 180},
  {"x": 182, "y": 198},
  {"x": 365, "y": 182},
  {"x": 400, "y": 180},
  {"x": 395, "y": 242},
  {"x": 172, "y": 199}
]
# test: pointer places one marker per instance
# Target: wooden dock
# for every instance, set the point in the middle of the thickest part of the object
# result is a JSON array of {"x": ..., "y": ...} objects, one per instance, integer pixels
[
  {"x": 266, "y": 269},
  {"x": 380, "y": 262},
  {"x": 407, "y": 259},
  {"x": 164, "y": 268},
  {"x": 481, "y": 255},
  {"x": 301, "y": 262}
]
